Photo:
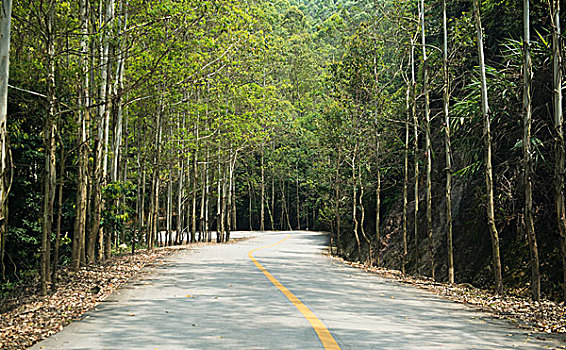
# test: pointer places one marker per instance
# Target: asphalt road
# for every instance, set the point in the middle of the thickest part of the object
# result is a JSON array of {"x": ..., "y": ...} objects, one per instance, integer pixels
[{"x": 216, "y": 297}]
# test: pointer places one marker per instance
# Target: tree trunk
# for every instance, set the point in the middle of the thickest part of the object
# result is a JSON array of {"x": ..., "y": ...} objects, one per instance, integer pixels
[
  {"x": 488, "y": 164},
  {"x": 80, "y": 225},
  {"x": 61, "y": 185},
  {"x": 118, "y": 91},
  {"x": 428, "y": 145},
  {"x": 527, "y": 158},
  {"x": 406, "y": 172},
  {"x": 250, "y": 205},
  {"x": 354, "y": 204},
  {"x": 156, "y": 182},
  {"x": 448, "y": 150},
  {"x": 169, "y": 238},
  {"x": 298, "y": 208},
  {"x": 219, "y": 187},
  {"x": 207, "y": 195},
  {"x": 143, "y": 217},
  {"x": 202, "y": 208},
  {"x": 416, "y": 155},
  {"x": 223, "y": 214},
  {"x": 139, "y": 209},
  {"x": 5, "y": 167},
  {"x": 377, "y": 210},
  {"x": 194, "y": 199},
  {"x": 559, "y": 134},
  {"x": 232, "y": 197},
  {"x": 179, "y": 223},
  {"x": 262, "y": 206},
  {"x": 272, "y": 211},
  {"x": 363, "y": 220},
  {"x": 231, "y": 213},
  {"x": 337, "y": 195},
  {"x": 50, "y": 178},
  {"x": 285, "y": 210}
]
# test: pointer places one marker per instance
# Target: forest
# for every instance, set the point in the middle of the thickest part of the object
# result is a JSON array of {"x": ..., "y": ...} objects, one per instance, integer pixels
[{"x": 426, "y": 136}]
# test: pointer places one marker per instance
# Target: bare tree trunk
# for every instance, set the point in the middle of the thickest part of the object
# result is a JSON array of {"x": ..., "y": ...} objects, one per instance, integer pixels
[
  {"x": 448, "y": 151},
  {"x": 232, "y": 196},
  {"x": 354, "y": 204},
  {"x": 50, "y": 178},
  {"x": 377, "y": 210},
  {"x": 285, "y": 210},
  {"x": 179, "y": 223},
  {"x": 378, "y": 166},
  {"x": 207, "y": 195},
  {"x": 194, "y": 199},
  {"x": 262, "y": 211},
  {"x": 118, "y": 90},
  {"x": 155, "y": 214},
  {"x": 428, "y": 146},
  {"x": 362, "y": 221},
  {"x": 488, "y": 164},
  {"x": 416, "y": 156},
  {"x": 250, "y": 205},
  {"x": 297, "y": 200},
  {"x": 219, "y": 188},
  {"x": 231, "y": 213},
  {"x": 283, "y": 204},
  {"x": 406, "y": 174},
  {"x": 169, "y": 219},
  {"x": 156, "y": 182},
  {"x": 96, "y": 230},
  {"x": 83, "y": 116},
  {"x": 202, "y": 208},
  {"x": 559, "y": 169},
  {"x": 101, "y": 168},
  {"x": 272, "y": 211},
  {"x": 143, "y": 218},
  {"x": 105, "y": 232},
  {"x": 337, "y": 195},
  {"x": 139, "y": 209},
  {"x": 527, "y": 158},
  {"x": 5, "y": 164},
  {"x": 223, "y": 214},
  {"x": 61, "y": 185}
]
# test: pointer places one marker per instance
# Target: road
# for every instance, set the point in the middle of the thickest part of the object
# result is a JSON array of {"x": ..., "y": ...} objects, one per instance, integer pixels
[{"x": 221, "y": 297}]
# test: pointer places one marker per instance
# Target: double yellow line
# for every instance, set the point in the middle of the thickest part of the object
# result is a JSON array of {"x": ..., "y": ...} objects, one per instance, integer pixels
[{"x": 324, "y": 335}]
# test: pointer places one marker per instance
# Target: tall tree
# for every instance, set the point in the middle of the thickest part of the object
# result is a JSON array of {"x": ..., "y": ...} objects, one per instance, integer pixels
[
  {"x": 428, "y": 141},
  {"x": 448, "y": 150},
  {"x": 83, "y": 132},
  {"x": 486, "y": 115},
  {"x": 527, "y": 157},
  {"x": 5, "y": 166},
  {"x": 559, "y": 169},
  {"x": 50, "y": 171}
]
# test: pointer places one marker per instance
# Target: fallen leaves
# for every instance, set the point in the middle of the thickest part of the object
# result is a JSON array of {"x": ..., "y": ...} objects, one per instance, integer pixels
[{"x": 29, "y": 318}]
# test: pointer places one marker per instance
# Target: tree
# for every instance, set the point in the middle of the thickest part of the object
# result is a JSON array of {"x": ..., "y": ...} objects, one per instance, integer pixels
[
  {"x": 448, "y": 149},
  {"x": 5, "y": 163},
  {"x": 428, "y": 141},
  {"x": 486, "y": 116},
  {"x": 527, "y": 121},
  {"x": 559, "y": 169}
]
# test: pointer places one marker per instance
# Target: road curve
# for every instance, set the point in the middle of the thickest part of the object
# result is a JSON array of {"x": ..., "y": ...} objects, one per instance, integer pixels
[{"x": 216, "y": 297}]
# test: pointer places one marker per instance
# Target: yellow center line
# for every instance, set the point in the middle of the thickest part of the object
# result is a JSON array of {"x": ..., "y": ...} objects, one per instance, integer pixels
[{"x": 324, "y": 335}]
